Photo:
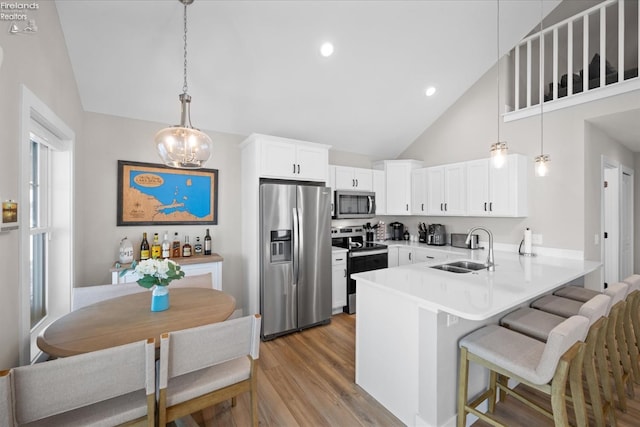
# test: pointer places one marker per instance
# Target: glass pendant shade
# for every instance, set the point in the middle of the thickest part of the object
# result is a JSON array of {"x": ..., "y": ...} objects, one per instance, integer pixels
[
  {"x": 498, "y": 154},
  {"x": 542, "y": 165}
]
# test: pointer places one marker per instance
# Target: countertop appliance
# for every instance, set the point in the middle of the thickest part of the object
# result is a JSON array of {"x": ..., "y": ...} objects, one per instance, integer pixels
[
  {"x": 458, "y": 240},
  {"x": 295, "y": 257},
  {"x": 397, "y": 230},
  {"x": 351, "y": 204},
  {"x": 361, "y": 256},
  {"x": 436, "y": 235}
]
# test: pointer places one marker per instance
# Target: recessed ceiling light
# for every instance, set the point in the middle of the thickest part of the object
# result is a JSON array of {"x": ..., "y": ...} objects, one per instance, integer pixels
[
  {"x": 430, "y": 91},
  {"x": 326, "y": 49}
]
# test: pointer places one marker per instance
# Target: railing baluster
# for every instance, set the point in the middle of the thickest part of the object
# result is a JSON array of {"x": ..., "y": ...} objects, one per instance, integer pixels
[
  {"x": 529, "y": 73},
  {"x": 570, "y": 58},
  {"x": 620, "y": 40},
  {"x": 541, "y": 77},
  {"x": 516, "y": 79},
  {"x": 603, "y": 45},
  {"x": 555, "y": 63},
  {"x": 585, "y": 54}
]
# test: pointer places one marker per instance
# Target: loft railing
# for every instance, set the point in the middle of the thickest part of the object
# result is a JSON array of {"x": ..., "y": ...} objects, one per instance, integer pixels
[{"x": 587, "y": 52}]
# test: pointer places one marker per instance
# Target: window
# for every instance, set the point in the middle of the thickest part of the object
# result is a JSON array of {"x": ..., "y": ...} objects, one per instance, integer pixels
[{"x": 39, "y": 227}]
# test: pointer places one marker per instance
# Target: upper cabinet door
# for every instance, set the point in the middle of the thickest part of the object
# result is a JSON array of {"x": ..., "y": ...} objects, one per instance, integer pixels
[
  {"x": 455, "y": 189},
  {"x": 311, "y": 162},
  {"x": 435, "y": 191},
  {"x": 348, "y": 178},
  {"x": 363, "y": 178},
  {"x": 478, "y": 187},
  {"x": 278, "y": 159},
  {"x": 419, "y": 191},
  {"x": 379, "y": 187}
]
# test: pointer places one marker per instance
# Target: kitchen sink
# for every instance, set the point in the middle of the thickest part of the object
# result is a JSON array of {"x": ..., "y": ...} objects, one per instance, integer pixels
[
  {"x": 469, "y": 265},
  {"x": 460, "y": 266}
]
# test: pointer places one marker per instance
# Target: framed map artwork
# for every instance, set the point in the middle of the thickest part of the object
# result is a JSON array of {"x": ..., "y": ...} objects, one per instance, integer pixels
[{"x": 150, "y": 194}]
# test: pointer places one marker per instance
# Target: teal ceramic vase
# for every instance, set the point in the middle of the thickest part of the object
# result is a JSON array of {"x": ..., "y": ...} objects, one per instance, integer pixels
[{"x": 160, "y": 298}]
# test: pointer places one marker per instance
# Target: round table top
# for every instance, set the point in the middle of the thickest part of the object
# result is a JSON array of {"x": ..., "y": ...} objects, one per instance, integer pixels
[{"x": 129, "y": 318}]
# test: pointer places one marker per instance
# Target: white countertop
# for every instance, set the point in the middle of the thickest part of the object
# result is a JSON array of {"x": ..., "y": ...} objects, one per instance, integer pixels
[{"x": 481, "y": 294}]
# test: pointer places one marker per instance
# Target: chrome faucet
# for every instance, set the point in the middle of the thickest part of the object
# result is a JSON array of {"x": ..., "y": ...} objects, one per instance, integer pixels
[{"x": 491, "y": 265}]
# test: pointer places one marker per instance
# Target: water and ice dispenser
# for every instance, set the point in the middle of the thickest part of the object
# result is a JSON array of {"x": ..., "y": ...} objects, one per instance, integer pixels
[{"x": 280, "y": 246}]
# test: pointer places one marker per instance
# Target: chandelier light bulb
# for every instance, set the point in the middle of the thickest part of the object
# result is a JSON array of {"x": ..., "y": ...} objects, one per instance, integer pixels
[
  {"x": 498, "y": 154},
  {"x": 542, "y": 165}
]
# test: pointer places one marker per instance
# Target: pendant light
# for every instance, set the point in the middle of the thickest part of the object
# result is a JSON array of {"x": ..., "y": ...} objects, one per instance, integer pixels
[
  {"x": 183, "y": 146},
  {"x": 542, "y": 161},
  {"x": 498, "y": 149}
]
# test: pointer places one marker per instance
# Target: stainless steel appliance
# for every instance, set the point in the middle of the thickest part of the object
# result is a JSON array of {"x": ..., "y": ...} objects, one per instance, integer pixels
[
  {"x": 295, "y": 257},
  {"x": 397, "y": 230},
  {"x": 362, "y": 256},
  {"x": 436, "y": 235},
  {"x": 458, "y": 240},
  {"x": 354, "y": 204}
]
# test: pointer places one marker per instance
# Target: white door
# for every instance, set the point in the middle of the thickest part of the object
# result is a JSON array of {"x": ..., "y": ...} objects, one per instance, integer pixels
[
  {"x": 398, "y": 188},
  {"x": 435, "y": 191},
  {"x": 344, "y": 178},
  {"x": 455, "y": 185},
  {"x": 311, "y": 162},
  {"x": 626, "y": 224},
  {"x": 611, "y": 226},
  {"x": 278, "y": 159},
  {"x": 363, "y": 179},
  {"x": 419, "y": 191},
  {"x": 478, "y": 187},
  {"x": 500, "y": 182}
]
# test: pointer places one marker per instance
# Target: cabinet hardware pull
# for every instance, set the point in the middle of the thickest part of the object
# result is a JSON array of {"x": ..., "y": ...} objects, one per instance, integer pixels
[
  {"x": 445, "y": 207},
  {"x": 491, "y": 206},
  {"x": 298, "y": 169},
  {"x": 422, "y": 207},
  {"x": 440, "y": 206},
  {"x": 430, "y": 257},
  {"x": 339, "y": 259},
  {"x": 345, "y": 272},
  {"x": 485, "y": 206},
  {"x": 294, "y": 168},
  {"x": 407, "y": 208},
  {"x": 356, "y": 182},
  {"x": 409, "y": 256},
  {"x": 353, "y": 182}
]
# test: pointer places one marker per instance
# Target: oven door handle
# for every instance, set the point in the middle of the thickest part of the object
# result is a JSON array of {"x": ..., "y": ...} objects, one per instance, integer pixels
[{"x": 368, "y": 253}]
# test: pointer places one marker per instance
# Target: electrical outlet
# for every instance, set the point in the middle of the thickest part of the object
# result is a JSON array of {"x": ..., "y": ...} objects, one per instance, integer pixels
[
  {"x": 536, "y": 239},
  {"x": 451, "y": 319}
]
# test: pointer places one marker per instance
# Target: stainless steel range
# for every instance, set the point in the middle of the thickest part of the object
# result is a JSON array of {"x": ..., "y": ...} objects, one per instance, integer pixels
[{"x": 362, "y": 256}]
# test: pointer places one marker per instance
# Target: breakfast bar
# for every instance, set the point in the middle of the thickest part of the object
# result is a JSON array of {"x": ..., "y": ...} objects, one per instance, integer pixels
[{"x": 410, "y": 319}]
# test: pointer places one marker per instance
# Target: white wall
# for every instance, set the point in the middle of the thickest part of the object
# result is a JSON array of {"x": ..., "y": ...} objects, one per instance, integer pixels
[
  {"x": 109, "y": 139},
  {"x": 39, "y": 61}
]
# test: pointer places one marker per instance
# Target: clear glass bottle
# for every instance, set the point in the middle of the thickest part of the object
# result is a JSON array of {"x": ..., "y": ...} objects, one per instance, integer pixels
[
  {"x": 197, "y": 247},
  {"x": 166, "y": 246}
]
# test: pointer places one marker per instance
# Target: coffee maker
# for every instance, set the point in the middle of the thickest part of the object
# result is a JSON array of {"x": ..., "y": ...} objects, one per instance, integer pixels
[
  {"x": 397, "y": 230},
  {"x": 436, "y": 235}
]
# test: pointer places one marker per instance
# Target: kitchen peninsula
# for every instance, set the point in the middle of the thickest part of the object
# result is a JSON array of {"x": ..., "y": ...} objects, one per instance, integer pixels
[{"x": 410, "y": 319}]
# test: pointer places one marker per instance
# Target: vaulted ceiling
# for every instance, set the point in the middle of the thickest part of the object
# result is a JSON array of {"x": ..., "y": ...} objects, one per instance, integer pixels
[{"x": 255, "y": 66}]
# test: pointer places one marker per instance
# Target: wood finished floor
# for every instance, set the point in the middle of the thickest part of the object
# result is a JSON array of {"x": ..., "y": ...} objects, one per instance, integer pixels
[{"x": 307, "y": 379}]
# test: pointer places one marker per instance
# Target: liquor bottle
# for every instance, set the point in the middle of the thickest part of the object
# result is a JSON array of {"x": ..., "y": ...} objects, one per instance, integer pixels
[
  {"x": 156, "y": 248},
  {"x": 175, "y": 246},
  {"x": 144, "y": 248},
  {"x": 197, "y": 247},
  {"x": 207, "y": 243},
  {"x": 186, "y": 248},
  {"x": 166, "y": 246}
]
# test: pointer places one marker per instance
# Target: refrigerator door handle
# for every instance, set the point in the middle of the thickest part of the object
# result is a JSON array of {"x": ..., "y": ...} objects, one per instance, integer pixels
[{"x": 296, "y": 246}]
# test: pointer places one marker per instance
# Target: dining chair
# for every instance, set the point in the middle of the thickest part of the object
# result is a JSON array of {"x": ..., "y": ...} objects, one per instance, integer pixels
[
  {"x": 110, "y": 387},
  {"x": 194, "y": 281},
  {"x": 202, "y": 366},
  {"x": 6, "y": 399}
]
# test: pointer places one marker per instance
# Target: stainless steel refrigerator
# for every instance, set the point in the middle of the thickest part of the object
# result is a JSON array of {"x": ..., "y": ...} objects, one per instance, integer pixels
[{"x": 295, "y": 257}]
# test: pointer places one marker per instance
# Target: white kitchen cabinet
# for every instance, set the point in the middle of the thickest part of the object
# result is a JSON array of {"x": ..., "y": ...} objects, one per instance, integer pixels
[
  {"x": 419, "y": 191},
  {"x": 347, "y": 178},
  {"x": 392, "y": 257},
  {"x": 339, "y": 280},
  {"x": 331, "y": 182},
  {"x": 290, "y": 159},
  {"x": 398, "y": 184},
  {"x": 412, "y": 255},
  {"x": 379, "y": 187},
  {"x": 446, "y": 190},
  {"x": 497, "y": 192}
]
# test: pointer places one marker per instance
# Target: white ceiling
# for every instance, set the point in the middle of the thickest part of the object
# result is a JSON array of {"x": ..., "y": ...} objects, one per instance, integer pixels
[{"x": 254, "y": 66}]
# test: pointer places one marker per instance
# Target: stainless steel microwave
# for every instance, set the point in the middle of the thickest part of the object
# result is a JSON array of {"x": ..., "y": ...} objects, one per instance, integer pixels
[{"x": 354, "y": 204}]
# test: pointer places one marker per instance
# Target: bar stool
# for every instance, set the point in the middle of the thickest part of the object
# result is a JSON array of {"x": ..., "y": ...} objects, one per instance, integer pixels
[
  {"x": 632, "y": 324},
  {"x": 616, "y": 342},
  {"x": 542, "y": 366},
  {"x": 538, "y": 324}
]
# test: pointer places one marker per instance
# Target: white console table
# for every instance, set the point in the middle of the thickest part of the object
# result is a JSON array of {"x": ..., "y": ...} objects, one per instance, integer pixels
[{"x": 191, "y": 266}]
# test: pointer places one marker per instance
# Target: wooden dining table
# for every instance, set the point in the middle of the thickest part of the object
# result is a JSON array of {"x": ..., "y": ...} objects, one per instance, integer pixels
[{"x": 129, "y": 318}]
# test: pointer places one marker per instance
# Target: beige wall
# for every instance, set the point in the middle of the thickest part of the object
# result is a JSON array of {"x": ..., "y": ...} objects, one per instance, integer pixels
[
  {"x": 40, "y": 62},
  {"x": 109, "y": 139}
]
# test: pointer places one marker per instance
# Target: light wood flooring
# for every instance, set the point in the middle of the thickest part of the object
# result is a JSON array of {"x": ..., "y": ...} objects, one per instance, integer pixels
[{"x": 307, "y": 379}]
